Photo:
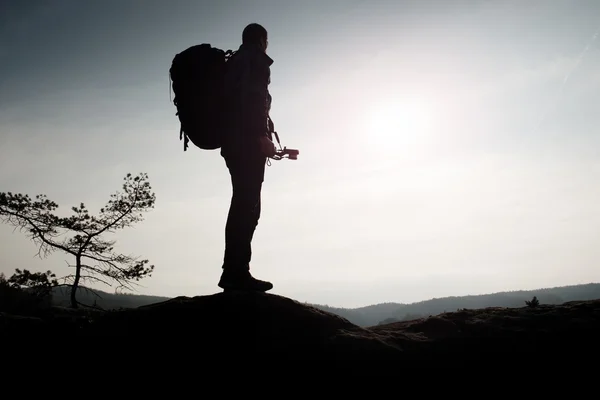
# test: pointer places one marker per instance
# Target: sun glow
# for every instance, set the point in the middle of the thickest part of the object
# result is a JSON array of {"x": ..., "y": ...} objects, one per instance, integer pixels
[{"x": 399, "y": 122}]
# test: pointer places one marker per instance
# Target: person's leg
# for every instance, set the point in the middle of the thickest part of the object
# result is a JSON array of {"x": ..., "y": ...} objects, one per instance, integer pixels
[
  {"x": 244, "y": 211},
  {"x": 247, "y": 176},
  {"x": 256, "y": 177}
]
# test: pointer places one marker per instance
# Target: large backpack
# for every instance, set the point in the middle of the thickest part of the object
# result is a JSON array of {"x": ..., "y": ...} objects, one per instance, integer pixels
[{"x": 197, "y": 75}]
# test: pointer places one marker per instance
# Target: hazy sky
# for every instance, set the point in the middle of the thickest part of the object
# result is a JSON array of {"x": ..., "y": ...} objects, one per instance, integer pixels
[{"x": 446, "y": 147}]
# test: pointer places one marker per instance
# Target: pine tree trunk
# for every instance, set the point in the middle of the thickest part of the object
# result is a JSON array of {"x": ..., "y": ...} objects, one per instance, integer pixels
[{"x": 76, "y": 282}]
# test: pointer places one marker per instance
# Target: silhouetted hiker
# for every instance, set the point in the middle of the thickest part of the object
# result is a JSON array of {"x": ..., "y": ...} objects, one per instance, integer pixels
[{"x": 246, "y": 146}]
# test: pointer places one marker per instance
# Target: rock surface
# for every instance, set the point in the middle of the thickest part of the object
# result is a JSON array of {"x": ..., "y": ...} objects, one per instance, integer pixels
[{"x": 273, "y": 327}]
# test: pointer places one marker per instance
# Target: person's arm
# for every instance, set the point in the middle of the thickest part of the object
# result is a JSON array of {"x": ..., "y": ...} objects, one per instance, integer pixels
[{"x": 271, "y": 125}]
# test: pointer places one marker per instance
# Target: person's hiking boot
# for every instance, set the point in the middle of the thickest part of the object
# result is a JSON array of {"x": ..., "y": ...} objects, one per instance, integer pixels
[{"x": 242, "y": 280}]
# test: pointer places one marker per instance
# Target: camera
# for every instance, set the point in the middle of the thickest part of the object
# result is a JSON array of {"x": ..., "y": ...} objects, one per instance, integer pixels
[{"x": 292, "y": 154}]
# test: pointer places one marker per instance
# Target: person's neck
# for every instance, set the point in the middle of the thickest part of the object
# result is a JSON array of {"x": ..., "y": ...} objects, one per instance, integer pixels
[{"x": 255, "y": 46}]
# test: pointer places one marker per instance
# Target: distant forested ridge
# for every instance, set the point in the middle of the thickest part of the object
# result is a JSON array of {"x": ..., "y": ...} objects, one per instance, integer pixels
[
  {"x": 104, "y": 300},
  {"x": 391, "y": 312}
]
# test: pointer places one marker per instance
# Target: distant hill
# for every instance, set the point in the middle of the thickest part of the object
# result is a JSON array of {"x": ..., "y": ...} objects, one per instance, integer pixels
[
  {"x": 104, "y": 300},
  {"x": 379, "y": 313},
  {"x": 391, "y": 312}
]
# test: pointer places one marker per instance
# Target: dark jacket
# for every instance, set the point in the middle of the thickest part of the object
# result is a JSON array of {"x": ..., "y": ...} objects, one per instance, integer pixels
[{"x": 248, "y": 101}]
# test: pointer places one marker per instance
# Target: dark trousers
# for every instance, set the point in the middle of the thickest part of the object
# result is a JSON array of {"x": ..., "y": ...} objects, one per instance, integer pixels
[{"x": 247, "y": 176}]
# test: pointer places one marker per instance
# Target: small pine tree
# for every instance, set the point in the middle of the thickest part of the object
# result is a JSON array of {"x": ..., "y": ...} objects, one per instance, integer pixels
[
  {"x": 39, "y": 284},
  {"x": 533, "y": 303},
  {"x": 81, "y": 235}
]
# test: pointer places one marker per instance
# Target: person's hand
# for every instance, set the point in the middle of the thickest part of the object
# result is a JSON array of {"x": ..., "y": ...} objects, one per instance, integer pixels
[{"x": 267, "y": 147}]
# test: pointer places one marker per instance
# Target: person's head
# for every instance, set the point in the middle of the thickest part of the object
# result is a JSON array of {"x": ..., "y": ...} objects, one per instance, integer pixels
[{"x": 255, "y": 34}]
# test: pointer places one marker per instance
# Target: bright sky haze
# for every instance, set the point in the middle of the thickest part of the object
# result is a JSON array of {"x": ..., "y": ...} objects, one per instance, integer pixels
[{"x": 446, "y": 147}]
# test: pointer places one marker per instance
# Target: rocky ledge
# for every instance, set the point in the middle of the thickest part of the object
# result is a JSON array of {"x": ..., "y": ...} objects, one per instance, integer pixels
[{"x": 267, "y": 325}]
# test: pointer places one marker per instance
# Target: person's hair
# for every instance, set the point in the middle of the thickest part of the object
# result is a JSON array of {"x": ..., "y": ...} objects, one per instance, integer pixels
[{"x": 254, "y": 33}]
